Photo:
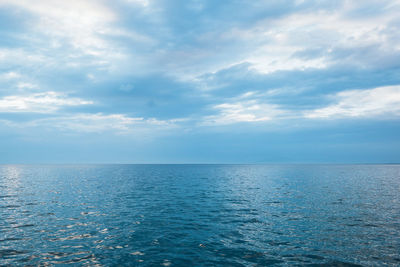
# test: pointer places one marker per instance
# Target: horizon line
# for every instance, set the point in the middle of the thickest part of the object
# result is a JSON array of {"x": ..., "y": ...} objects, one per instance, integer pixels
[{"x": 215, "y": 163}]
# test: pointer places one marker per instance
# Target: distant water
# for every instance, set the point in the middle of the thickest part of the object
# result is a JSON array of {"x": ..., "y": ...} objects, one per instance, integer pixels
[{"x": 200, "y": 215}]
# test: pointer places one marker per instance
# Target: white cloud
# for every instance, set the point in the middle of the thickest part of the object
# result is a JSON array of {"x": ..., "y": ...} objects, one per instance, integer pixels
[
  {"x": 243, "y": 111},
  {"x": 99, "y": 123},
  {"x": 324, "y": 30},
  {"x": 75, "y": 34},
  {"x": 26, "y": 85},
  {"x": 76, "y": 20},
  {"x": 362, "y": 103},
  {"x": 274, "y": 44},
  {"x": 91, "y": 122},
  {"x": 144, "y": 3},
  {"x": 18, "y": 57},
  {"x": 10, "y": 75},
  {"x": 47, "y": 102},
  {"x": 273, "y": 58},
  {"x": 382, "y": 102}
]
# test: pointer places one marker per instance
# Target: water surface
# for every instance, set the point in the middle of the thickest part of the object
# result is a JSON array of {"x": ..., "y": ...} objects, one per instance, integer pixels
[{"x": 202, "y": 215}]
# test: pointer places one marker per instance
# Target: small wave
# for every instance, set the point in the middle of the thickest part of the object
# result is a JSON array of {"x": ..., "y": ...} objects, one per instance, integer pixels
[
  {"x": 11, "y": 252},
  {"x": 77, "y": 260},
  {"x": 7, "y": 196},
  {"x": 23, "y": 225},
  {"x": 11, "y": 239},
  {"x": 315, "y": 257},
  {"x": 137, "y": 253},
  {"x": 9, "y": 206},
  {"x": 74, "y": 237}
]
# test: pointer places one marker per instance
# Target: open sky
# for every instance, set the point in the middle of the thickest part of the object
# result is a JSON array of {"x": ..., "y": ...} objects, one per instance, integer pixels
[{"x": 227, "y": 81}]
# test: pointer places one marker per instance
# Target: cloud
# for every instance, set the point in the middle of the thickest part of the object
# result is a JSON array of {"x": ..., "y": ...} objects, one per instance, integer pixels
[
  {"x": 381, "y": 101},
  {"x": 339, "y": 34},
  {"x": 17, "y": 57},
  {"x": 71, "y": 35},
  {"x": 82, "y": 67},
  {"x": 79, "y": 22},
  {"x": 331, "y": 34},
  {"x": 243, "y": 111},
  {"x": 83, "y": 123},
  {"x": 144, "y": 3},
  {"x": 47, "y": 102},
  {"x": 90, "y": 122},
  {"x": 26, "y": 85},
  {"x": 11, "y": 75}
]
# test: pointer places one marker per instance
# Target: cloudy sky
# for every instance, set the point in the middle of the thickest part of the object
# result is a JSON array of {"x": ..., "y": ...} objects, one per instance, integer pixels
[{"x": 165, "y": 81}]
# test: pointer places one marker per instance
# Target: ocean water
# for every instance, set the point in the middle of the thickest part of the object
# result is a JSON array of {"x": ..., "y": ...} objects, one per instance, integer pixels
[{"x": 200, "y": 215}]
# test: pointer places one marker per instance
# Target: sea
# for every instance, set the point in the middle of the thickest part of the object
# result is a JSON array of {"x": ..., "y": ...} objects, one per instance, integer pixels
[{"x": 200, "y": 215}]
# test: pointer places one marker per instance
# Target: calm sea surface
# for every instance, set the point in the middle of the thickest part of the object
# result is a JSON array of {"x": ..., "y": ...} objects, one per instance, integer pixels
[{"x": 200, "y": 215}]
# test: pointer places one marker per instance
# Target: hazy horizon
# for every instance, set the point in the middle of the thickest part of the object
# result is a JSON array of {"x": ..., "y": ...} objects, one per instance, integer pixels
[{"x": 198, "y": 163}]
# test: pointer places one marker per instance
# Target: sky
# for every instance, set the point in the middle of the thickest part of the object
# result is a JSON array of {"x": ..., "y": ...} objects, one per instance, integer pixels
[{"x": 167, "y": 81}]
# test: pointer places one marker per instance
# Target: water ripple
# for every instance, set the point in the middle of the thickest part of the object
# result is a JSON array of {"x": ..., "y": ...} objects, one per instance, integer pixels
[{"x": 200, "y": 215}]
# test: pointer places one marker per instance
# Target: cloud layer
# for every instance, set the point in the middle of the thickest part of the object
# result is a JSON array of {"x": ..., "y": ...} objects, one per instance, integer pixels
[
  {"x": 153, "y": 68},
  {"x": 381, "y": 101}
]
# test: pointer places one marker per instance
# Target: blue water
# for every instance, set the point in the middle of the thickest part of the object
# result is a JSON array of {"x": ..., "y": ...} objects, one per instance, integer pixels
[{"x": 200, "y": 215}]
